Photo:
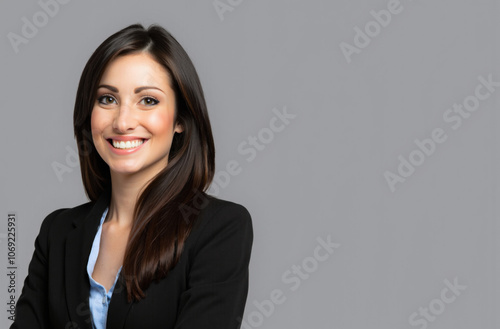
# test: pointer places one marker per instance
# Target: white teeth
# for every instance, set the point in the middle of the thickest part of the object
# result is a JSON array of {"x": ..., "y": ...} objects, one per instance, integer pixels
[{"x": 127, "y": 144}]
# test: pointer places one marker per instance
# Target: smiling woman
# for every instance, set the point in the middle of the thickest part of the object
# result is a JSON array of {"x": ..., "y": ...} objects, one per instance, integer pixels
[
  {"x": 144, "y": 252},
  {"x": 134, "y": 110}
]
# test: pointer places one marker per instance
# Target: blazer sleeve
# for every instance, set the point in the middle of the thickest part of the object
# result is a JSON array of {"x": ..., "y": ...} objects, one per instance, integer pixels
[
  {"x": 218, "y": 277},
  {"x": 31, "y": 307}
]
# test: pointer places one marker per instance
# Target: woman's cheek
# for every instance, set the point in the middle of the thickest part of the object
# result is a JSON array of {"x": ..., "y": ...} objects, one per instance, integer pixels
[{"x": 159, "y": 123}]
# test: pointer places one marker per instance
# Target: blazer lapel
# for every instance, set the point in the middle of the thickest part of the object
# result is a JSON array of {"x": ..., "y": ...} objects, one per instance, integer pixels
[
  {"x": 118, "y": 306},
  {"x": 78, "y": 246}
]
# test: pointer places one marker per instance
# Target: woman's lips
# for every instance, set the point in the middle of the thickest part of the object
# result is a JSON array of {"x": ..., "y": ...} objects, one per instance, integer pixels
[{"x": 126, "y": 146}]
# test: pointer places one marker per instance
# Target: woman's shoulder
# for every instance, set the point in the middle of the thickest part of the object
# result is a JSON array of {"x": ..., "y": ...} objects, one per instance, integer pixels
[
  {"x": 214, "y": 203},
  {"x": 216, "y": 211},
  {"x": 219, "y": 218},
  {"x": 64, "y": 219}
]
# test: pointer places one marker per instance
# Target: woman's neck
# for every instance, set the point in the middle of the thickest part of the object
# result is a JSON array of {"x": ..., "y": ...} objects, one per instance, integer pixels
[{"x": 125, "y": 192}]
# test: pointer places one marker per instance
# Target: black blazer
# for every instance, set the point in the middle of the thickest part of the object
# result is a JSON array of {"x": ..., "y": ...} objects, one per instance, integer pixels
[{"x": 206, "y": 289}]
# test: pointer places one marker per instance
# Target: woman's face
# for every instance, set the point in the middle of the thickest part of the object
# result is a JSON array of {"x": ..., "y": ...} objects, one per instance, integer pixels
[{"x": 133, "y": 116}]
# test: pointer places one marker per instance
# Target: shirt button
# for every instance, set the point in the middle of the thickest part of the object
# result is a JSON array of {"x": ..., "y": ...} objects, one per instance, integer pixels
[{"x": 104, "y": 300}]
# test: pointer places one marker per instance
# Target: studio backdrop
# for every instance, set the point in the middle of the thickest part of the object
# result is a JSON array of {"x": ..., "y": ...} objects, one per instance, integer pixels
[{"x": 362, "y": 136}]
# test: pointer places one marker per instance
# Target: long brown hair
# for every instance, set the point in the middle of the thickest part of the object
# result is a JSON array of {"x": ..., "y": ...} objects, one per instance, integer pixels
[{"x": 160, "y": 225}]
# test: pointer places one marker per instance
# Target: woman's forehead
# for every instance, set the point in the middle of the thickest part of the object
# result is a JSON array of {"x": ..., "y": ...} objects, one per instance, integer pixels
[{"x": 139, "y": 69}]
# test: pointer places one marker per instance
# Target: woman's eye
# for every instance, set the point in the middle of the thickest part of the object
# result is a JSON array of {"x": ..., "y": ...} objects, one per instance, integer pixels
[
  {"x": 106, "y": 100},
  {"x": 149, "y": 101}
]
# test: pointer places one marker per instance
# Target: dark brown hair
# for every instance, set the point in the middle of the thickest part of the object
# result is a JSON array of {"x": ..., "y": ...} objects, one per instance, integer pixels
[{"x": 160, "y": 225}]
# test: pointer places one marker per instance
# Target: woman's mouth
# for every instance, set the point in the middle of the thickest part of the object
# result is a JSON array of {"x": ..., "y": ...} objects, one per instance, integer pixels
[{"x": 126, "y": 145}]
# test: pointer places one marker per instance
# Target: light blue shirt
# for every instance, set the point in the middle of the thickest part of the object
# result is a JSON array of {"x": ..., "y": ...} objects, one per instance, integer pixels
[{"x": 99, "y": 299}]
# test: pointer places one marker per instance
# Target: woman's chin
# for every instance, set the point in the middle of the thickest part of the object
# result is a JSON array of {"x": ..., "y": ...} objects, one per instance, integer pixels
[{"x": 125, "y": 170}]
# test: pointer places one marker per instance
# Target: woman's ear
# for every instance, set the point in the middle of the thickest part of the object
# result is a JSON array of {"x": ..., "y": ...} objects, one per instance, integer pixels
[{"x": 178, "y": 128}]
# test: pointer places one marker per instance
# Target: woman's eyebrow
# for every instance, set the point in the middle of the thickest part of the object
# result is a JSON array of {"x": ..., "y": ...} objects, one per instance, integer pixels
[
  {"x": 139, "y": 89},
  {"x": 113, "y": 89},
  {"x": 136, "y": 90}
]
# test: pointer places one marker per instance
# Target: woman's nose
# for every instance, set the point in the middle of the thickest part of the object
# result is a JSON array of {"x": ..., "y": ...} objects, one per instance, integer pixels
[{"x": 125, "y": 120}]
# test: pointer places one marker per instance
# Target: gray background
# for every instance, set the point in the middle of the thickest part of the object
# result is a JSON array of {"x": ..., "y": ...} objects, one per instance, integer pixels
[{"x": 323, "y": 174}]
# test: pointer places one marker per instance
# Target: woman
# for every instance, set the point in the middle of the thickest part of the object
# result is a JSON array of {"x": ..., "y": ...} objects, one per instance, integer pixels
[{"x": 151, "y": 249}]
